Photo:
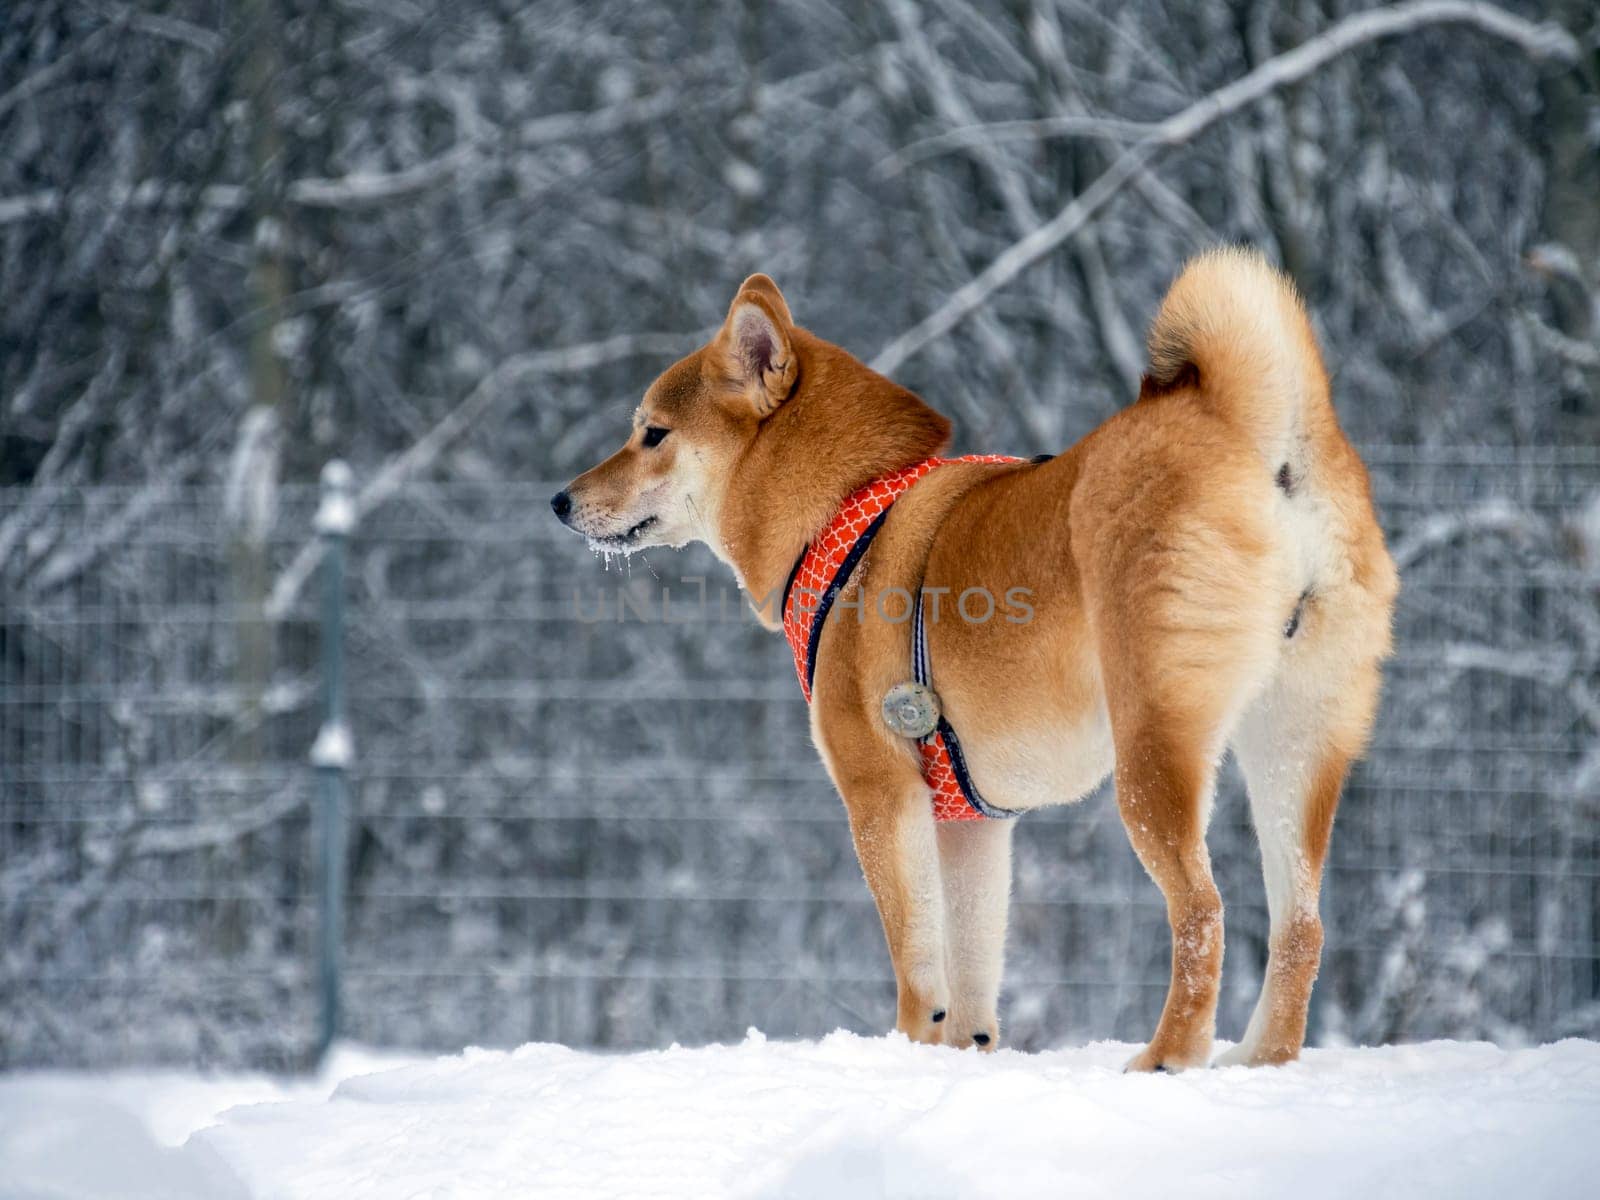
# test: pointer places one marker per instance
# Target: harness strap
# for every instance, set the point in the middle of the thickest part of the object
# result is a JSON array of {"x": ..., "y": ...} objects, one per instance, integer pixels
[
  {"x": 831, "y": 593},
  {"x": 944, "y": 767},
  {"x": 821, "y": 572}
]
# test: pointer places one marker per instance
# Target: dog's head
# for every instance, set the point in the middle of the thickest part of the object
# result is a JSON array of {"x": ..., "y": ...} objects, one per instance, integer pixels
[{"x": 666, "y": 486}]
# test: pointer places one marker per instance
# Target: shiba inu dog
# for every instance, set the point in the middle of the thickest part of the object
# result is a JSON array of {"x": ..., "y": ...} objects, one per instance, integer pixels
[{"x": 1203, "y": 572}]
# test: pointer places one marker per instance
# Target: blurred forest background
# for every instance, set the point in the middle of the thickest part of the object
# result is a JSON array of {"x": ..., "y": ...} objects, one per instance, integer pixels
[{"x": 451, "y": 244}]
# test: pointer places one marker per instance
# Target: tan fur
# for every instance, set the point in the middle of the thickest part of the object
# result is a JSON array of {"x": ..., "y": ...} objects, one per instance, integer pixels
[{"x": 1162, "y": 558}]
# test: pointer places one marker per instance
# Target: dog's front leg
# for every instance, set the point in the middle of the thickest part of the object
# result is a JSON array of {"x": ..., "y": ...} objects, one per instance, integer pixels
[
  {"x": 893, "y": 827},
  {"x": 975, "y": 861}
]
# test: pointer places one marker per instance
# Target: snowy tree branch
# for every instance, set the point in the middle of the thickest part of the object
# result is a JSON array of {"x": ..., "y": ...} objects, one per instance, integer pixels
[
  {"x": 476, "y": 407},
  {"x": 1539, "y": 41},
  {"x": 358, "y": 188},
  {"x": 1441, "y": 528},
  {"x": 47, "y": 75}
]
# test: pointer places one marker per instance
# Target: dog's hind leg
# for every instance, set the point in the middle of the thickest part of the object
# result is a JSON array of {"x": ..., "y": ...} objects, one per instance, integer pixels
[
  {"x": 1294, "y": 745},
  {"x": 1187, "y": 588},
  {"x": 1164, "y": 783},
  {"x": 1194, "y": 638},
  {"x": 975, "y": 861}
]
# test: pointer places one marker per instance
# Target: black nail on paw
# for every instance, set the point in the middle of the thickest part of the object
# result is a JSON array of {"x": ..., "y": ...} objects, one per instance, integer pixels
[
  {"x": 1162, "y": 1070},
  {"x": 981, "y": 1038},
  {"x": 938, "y": 1016}
]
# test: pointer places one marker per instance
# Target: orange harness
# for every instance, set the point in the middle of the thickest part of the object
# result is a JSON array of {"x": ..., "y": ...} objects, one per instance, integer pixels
[{"x": 819, "y": 575}]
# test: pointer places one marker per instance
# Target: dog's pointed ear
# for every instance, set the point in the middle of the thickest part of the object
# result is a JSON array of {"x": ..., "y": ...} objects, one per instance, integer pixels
[{"x": 758, "y": 341}]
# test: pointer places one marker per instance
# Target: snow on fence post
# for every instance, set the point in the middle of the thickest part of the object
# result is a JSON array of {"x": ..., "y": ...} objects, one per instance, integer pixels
[{"x": 331, "y": 754}]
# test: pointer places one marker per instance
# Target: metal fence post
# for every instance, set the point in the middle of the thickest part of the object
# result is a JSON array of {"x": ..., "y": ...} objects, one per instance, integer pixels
[{"x": 331, "y": 754}]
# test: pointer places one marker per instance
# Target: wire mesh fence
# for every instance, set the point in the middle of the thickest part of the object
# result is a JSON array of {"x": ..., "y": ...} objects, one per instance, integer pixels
[{"x": 585, "y": 806}]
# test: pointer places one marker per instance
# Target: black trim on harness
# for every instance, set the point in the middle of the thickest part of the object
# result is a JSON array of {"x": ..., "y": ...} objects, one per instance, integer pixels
[
  {"x": 922, "y": 671},
  {"x": 958, "y": 764},
  {"x": 831, "y": 593},
  {"x": 788, "y": 584}
]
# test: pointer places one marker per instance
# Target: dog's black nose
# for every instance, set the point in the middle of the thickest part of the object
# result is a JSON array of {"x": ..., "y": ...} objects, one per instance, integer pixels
[{"x": 561, "y": 504}]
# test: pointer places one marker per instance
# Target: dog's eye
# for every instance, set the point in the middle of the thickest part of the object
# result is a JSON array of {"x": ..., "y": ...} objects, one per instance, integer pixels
[{"x": 654, "y": 435}]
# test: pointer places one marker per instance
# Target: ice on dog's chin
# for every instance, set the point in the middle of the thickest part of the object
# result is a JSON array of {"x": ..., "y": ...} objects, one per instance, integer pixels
[
  {"x": 621, "y": 544},
  {"x": 607, "y": 551}
]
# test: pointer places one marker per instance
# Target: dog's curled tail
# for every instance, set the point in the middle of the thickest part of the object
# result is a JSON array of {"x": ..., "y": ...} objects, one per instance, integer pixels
[{"x": 1237, "y": 323}]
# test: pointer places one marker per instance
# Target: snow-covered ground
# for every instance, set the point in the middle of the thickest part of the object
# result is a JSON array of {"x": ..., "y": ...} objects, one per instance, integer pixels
[{"x": 843, "y": 1117}]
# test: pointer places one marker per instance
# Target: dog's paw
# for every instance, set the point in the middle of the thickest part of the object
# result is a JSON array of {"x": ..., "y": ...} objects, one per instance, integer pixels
[
  {"x": 925, "y": 1024},
  {"x": 962, "y": 1031},
  {"x": 1244, "y": 1055},
  {"x": 922, "y": 1008},
  {"x": 1165, "y": 1059}
]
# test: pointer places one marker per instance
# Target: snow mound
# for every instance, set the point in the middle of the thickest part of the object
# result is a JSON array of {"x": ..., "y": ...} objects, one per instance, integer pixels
[{"x": 879, "y": 1117}]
